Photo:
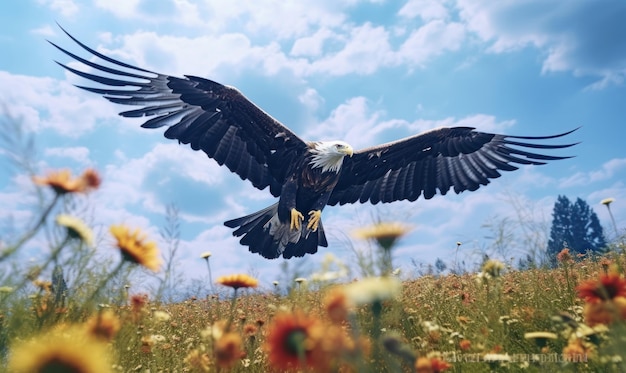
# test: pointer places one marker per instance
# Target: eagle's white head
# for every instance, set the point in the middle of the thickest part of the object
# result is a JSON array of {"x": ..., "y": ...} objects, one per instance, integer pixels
[{"x": 329, "y": 154}]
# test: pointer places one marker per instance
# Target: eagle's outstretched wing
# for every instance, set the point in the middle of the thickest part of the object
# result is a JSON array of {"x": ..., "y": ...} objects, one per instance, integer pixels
[
  {"x": 209, "y": 116},
  {"x": 444, "y": 158}
]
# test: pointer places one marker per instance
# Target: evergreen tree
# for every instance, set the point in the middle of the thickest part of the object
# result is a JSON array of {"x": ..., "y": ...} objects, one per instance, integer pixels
[
  {"x": 440, "y": 265},
  {"x": 576, "y": 226}
]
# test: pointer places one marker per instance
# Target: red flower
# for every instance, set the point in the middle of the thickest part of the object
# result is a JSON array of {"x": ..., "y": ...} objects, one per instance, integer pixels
[
  {"x": 294, "y": 341},
  {"x": 430, "y": 365},
  {"x": 607, "y": 287}
]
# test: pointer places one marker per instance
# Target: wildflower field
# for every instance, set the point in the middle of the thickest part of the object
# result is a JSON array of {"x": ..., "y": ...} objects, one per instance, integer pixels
[{"x": 570, "y": 318}]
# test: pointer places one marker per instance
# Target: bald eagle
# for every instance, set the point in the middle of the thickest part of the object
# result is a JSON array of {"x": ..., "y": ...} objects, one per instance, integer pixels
[{"x": 304, "y": 176}]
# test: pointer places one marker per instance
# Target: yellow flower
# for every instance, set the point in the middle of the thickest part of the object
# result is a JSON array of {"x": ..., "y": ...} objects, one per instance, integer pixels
[
  {"x": 198, "y": 362},
  {"x": 62, "y": 182},
  {"x": 135, "y": 249},
  {"x": 228, "y": 350},
  {"x": 373, "y": 289},
  {"x": 45, "y": 286},
  {"x": 104, "y": 325},
  {"x": 493, "y": 267},
  {"x": 238, "y": 281},
  {"x": 540, "y": 338},
  {"x": 540, "y": 335},
  {"x": 161, "y": 316},
  {"x": 607, "y": 201},
  {"x": 76, "y": 228},
  {"x": 385, "y": 234},
  {"x": 60, "y": 351}
]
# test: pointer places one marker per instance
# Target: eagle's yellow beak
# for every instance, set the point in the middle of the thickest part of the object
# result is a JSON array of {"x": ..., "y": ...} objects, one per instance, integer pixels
[{"x": 348, "y": 150}]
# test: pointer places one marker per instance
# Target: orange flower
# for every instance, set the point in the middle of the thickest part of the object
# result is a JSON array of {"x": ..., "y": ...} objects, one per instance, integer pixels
[
  {"x": 62, "y": 182},
  {"x": 605, "y": 312},
  {"x": 135, "y": 249},
  {"x": 576, "y": 351},
  {"x": 465, "y": 344},
  {"x": 607, "y": 287},
  {"x": 228, "y": 350},
  {"x": 605, "y": 263},
  {"x": 337, "y": 306},
  {"x": 430, "y": 365},
  {"x": 249, "y": 329},
  {"x": 91, "y": 179},
  {"x": 104, "y": 326},
  {"x": 238, "y": 281},
  {"x": 293, "y": 342},
  {"x": 564, "y": 256}
]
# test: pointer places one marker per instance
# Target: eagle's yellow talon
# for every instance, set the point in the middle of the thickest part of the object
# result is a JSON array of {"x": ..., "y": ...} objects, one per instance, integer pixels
[
  {"x": 296, "y": 217},
  {"x": 314, "y": 220}
]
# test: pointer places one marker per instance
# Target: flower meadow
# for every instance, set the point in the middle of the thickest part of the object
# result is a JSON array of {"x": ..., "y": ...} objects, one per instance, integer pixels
[{"x": 73, "y": 311}]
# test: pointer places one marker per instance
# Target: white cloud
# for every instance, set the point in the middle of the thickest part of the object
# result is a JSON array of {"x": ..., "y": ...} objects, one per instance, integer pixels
[
  {"x": 311, "y": 99},
  {"x": 125, "y": 183},
  {"x": 67, "y": 8},
  {"x": 608, "y": 170},
  {"x": 45, "y": 103},
  {"x": 319, "y": 46},
  {"x": 364, "y": 50},
  {"x": 579, "y": 37},
  {"x": 311, "y": 45},
  {"x": 18, "y": 201},
  {"x": 341, "y": 124},
  {"x": 431, "y": 40},
  {"x": 46, "y": 31},
  {"x": 425, "y": 9},
  {"x": 179, "y": 55},
  {"x": 357, "y": 123},
  {"x": 78, "y": 154},
  {"x": 120, "y": 8}
]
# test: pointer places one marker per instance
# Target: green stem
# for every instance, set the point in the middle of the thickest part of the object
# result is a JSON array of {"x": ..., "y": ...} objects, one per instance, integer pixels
[
  {"x": 613, "y": 220},
  {"x": 233, "y": 303},
  {"x": 53, "y": 257},
  {"x": 377, "y": 308},
  {"x": 105, "y": 281},
  {"x": 12, "y": 249},
  {"x": 210, "y": 277}
]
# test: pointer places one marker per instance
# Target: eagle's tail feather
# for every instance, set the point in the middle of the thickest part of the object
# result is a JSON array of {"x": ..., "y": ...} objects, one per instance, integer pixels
[
  {"x": 264, "y": 234},
  {"x": 248, "y": 222}
]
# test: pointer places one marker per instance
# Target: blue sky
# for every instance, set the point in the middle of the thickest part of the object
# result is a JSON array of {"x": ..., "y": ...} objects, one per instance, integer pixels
[{"x": 362, "y": 71}]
